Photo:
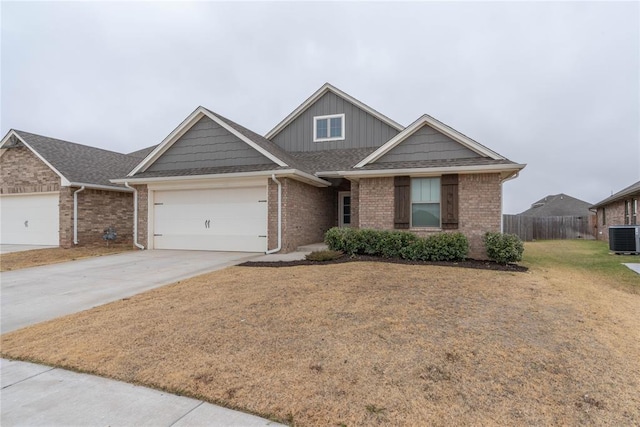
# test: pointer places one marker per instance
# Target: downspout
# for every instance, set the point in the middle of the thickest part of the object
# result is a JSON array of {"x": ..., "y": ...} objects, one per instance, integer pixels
[
  {"x": 273, "y": 178},
  {"x": 135, "y": 216},
  {"x": 75, "y": 215}
]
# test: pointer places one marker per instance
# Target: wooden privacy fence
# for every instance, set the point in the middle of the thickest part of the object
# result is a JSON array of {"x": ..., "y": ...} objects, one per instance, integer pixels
[{"x": 550, "y": 228}]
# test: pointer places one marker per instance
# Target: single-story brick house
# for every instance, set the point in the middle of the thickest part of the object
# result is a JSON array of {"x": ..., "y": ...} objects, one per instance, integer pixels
[
  {"x": 213, "y": 184},
  {"x": 58, "y": 193},
  {"x": 620, "y": 208}
]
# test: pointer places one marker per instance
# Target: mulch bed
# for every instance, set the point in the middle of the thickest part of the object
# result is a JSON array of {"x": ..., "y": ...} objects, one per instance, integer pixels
[{"x": 468, "y": 263}]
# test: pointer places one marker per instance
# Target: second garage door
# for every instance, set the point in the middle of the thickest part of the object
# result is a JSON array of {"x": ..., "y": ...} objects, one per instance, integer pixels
[
  {"x": 224, "y": 219},
  {"x": 31, "y": 219}
]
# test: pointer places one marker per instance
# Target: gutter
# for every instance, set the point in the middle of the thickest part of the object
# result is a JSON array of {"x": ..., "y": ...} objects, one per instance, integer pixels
[
  {"x": 75, "y": 214},
  {"x": 273, "y": 178},
  {"x": 135, "y": 216}
]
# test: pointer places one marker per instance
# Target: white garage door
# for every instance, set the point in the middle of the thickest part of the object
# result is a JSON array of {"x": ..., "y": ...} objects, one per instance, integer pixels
[
  {"x": 224, "y": 219},
  {"x": 29, "y": 219}
]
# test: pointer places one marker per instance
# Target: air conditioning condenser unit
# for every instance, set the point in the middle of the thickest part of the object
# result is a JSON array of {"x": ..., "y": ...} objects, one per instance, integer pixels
[{"x": 624, "y": 239}]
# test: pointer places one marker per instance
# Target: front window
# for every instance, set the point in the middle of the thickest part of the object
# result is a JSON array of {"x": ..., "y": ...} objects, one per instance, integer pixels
[
  {"x": 425, "y": 202},
  {"x": 627, "y": 208},
  {"x": 634, "y": 211},
  {"x": 328, "y": 128}
]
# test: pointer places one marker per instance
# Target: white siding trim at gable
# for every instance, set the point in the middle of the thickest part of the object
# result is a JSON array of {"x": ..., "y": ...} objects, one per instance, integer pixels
[
  {"x": 317, "y": 95},
  {"x": 186, "y": 124},
  {"x": 64, "y": 182},
  {"x": 440, "y": 127}
]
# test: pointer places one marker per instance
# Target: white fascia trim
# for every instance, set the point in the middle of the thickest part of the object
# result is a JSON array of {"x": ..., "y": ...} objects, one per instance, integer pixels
[
  {"x": 64, "y": 182},
  {"x": 186, "y": 124},
  {"x": 328, "y": 118},
  {"x": 293, "y": 173},
  {"x": 514, "y": 168},
  {"x": 100, "y": 187},
  {"x": 440, "y": 127},
  {"x": 313, "y": 98}
]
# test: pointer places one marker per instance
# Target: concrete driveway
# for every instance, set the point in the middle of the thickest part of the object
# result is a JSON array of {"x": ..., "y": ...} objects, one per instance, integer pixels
[{"x": 33, "y": 295}]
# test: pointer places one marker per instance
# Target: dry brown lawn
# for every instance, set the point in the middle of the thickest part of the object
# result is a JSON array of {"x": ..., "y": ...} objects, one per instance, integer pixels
[
  {"x": 36, "y": 257},
  {"x": 370, "y": 344}
]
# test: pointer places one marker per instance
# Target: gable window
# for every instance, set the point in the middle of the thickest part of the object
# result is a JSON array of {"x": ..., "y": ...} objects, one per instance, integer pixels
[
  {"x": 425, "y": 202},
  {"x": 328, "y": 128}
]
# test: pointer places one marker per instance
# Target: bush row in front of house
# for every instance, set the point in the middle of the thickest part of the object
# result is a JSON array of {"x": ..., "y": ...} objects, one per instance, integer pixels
[
  {"x": 502, "y": 248},
  {"x": 398, "y": 244}
]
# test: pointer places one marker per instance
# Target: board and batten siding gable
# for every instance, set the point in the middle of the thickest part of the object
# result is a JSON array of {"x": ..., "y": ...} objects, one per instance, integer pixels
[
  {"x": 362, "y": 130},
  {"x": 205, "y": 145},
  {"x": 427, "y": 144}
]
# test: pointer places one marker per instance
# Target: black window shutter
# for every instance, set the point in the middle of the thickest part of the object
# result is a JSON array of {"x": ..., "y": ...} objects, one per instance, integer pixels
[
  {"x": 402, "y": 199},
  {"x": 449, "y": 200}
]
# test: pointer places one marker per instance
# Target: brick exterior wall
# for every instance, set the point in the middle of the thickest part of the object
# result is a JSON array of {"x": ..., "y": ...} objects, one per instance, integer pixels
[
  {"x": 97, "y": 210},
  {"x": 355, "y": 203},
  {"x": 307, "y": 213},
  {"x": 376, "y": 203},
  {"x": 143, "y": 214},
  {"x": 22, "y": 172},
  {"x": 480, "y": 207},
  {"x": 614, "y": 216}
]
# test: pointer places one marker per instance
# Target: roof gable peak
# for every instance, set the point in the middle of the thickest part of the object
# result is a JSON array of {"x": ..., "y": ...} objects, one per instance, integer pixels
[{"x": 325, "y": 88}]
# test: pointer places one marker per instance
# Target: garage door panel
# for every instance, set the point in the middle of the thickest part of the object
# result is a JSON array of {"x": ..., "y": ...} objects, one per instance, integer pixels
[
  {"x": 227, "y": 219},
  {"x": 30, "y": 219}
]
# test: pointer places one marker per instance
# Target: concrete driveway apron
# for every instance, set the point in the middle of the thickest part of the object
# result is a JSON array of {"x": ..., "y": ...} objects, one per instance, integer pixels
[
  {"x": 40, "y": 395},
  {"x": 33, "y": 295}
]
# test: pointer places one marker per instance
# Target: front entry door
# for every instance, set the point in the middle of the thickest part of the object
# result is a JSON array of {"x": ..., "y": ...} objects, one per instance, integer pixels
[{"x": 344, "y": 208}]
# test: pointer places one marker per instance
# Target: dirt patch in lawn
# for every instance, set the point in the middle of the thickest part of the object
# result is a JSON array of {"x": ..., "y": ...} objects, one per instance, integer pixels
[
  {"x": 36, "y": 257},
  {"x": 369, "y": 343}
]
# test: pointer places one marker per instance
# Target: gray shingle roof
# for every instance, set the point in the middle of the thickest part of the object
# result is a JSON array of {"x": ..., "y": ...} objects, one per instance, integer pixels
[
  {"x": 558, "y": 205},
  {"x": 633, "y": 189},
  {"x": 209, "y": 171},
  {"x": 141, "y": 154},
  {"x": 332, "y": 160},
  {"x": 80, "y": 163},
  {"x": 474, "y": 161}
]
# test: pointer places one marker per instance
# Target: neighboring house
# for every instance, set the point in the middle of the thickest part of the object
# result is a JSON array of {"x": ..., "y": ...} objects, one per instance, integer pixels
[
  {"x": 620, "y": 208},
  {"x": 556, "y": 216},
  {"x": 58, "y": 193},
  {"x": 213, "y": 184},
  {"x": 558, "y": 205}
]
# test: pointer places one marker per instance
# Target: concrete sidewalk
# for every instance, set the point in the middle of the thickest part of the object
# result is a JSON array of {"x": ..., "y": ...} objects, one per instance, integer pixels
[{"x": 37, "y": 395}]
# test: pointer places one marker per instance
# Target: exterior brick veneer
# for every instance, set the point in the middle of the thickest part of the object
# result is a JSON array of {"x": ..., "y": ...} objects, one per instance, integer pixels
[
  {"x": 614, "y": 215},
  {"x": 376, "y": 203},
  {"x": 480, "y": 207},
  {"x": 22, "y": 172},
  {"x": 307, "y": 213},
  {"x": 143, "y": 214},
  {"x": 97, "y": 210}
]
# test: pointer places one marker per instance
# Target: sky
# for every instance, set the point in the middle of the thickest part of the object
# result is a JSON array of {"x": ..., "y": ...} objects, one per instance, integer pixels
[{"x": 555, "y": 85}]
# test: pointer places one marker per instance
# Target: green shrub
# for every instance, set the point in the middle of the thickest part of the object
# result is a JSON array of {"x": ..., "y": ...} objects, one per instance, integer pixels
[
  {"x": 503, "y": 248},
  {"x": 327, "y": 255},
  {"x": 438, "y": 247},
  {"x": 396, "y": 244}
]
